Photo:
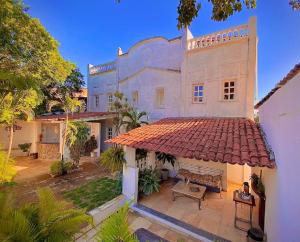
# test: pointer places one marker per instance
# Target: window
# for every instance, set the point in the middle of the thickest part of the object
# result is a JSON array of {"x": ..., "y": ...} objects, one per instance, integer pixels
[
  {"x": 160, "y": 97},
  {"x": 135, "y": 98},
  {"x": 109, "y": 101},
  {"x": 229, "y": 90},
  {"x": 96, "y": 101},
  {"x": 198, "y": 93},
  {"x": 109, "y": 133}
]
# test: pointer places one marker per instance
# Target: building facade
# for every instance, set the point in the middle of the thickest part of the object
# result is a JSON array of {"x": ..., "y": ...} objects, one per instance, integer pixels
[
  {"x": 207, "y": 76},
  {"x": 279, "y": 115}
]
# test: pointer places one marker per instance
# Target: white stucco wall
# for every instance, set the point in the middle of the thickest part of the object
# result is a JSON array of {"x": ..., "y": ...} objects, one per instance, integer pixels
[
  {"x": 100, "y": 85},
  {"x": 146, "y": 82},
  {"x": 280, "y": 119},
  {"x": 171, "y": 64},
  {"x": 211, "y": 67},
  {"x": 27, "y": 134},
  {"x": 153, "y": 52}
]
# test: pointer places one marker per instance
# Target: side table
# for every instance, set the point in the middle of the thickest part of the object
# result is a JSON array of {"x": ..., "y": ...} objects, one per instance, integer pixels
[{"x": 250, "y": 203}]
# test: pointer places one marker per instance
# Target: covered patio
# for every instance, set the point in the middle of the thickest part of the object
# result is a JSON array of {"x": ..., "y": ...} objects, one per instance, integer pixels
[{"x": 227, "y": 148}]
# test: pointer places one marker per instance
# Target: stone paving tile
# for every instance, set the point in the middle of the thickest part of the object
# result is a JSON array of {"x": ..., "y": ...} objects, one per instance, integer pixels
[{"x": 216, "y": 215}]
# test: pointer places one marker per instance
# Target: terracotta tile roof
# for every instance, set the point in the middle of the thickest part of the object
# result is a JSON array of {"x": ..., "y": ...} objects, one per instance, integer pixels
[
  {"x": 280, "y": 84},
  {"x": 227, "y": 140},
  {"x": 76, "y": 116}
]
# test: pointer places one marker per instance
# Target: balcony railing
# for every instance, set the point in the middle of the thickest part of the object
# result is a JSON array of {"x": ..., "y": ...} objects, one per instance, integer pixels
[
  {"x": 102, "y": 68},
  {"x": 224, "y": 36}
]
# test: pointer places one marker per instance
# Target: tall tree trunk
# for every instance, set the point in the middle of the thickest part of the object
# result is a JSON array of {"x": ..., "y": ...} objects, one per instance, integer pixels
[
  {"x": 11, "y": 135},
  {"x": 65, "y": 136}
]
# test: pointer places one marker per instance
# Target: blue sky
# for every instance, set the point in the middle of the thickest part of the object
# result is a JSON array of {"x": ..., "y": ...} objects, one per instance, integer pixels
[{"x": 90, "y": 31}]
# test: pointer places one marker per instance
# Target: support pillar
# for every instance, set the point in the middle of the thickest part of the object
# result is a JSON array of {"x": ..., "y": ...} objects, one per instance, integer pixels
[{"x": 130, "y": 175}]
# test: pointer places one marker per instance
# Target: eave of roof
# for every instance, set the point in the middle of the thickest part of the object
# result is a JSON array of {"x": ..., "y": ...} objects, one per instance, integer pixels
[
  {"x": 280, "y": 84},
  {"x": 86, "y": 116},
  {"x": 226, "y": 140}
]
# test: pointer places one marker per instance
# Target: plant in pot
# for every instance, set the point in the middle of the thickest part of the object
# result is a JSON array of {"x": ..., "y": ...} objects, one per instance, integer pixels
[
  {"x": 257, "y": 185},
  {"x": 25, "y": 148},
  {"x": 163, "y": 157},
  {"x": 90, "y": 146},
  {"x": 148, "y": 181}
]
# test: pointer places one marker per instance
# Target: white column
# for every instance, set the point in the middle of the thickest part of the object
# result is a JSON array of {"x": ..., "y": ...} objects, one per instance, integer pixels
[{"x": 130, "y": 175}]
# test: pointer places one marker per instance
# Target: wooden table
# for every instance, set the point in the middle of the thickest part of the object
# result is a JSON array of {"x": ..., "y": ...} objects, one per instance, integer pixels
[
  {"x": 250, "y": 203},
  {"x": 181, "y": 189}
]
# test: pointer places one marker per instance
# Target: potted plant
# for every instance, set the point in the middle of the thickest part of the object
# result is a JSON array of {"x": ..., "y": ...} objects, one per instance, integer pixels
[
  {"x": 25, "y": 148},
  {"x": 163, "y": 157},
  {"x": 90, "y": 146},
  {"x": 148, "y": 181}
]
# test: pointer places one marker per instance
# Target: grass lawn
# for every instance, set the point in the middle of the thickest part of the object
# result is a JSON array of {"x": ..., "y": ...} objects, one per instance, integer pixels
[{"x": 94, "y": 193}]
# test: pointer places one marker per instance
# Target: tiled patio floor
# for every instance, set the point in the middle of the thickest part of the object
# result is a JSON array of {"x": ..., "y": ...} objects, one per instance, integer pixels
[
  {"x": 164, "y": 232},
  {"x": 216, "y": 215}
]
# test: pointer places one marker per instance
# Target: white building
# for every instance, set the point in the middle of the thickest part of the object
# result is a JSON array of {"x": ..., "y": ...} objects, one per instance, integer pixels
[
  {"x": 279, "y": 114},
  {"x": 212, "y": 75}
]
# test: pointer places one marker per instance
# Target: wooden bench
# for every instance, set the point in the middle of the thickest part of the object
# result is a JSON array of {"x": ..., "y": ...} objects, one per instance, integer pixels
[{"x": 211, "y": 178}]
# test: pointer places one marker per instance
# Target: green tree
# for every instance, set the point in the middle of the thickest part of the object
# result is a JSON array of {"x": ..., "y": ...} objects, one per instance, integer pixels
[
  {"x": 116, "y": 228},
  {"x": 47, "y": 220},
  {"x": 132, "y": 119},
  {"x": 54, "y": 91},
  {"x": 120, "y": 106},
  {"x": 76, "y": 139},
  {"x": 17, "y": 105},
  {"x": 188, "y": 10},
  {"x": 69, "y": 105},
  {"x": 29, "y": 56}
]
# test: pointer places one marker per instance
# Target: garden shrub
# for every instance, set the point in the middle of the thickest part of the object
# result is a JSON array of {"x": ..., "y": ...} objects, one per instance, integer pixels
[
  {"x": 113, "y": 158},
  {"x": 59, "y": 168},
  {"x": 148, "y": 181}
]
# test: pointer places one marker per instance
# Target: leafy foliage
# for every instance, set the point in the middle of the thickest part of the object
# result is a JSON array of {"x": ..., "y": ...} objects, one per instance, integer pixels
[
  {"x": 113, "y": 158},
  {"x": 7, "y": 168},
  {"x": 140, "y": 154},
  {"x": 25, "y": 147},
  {"x": 29, "y": 55},
  {"x": 165, "y": 158},
  {"x": 47, "y": 220},
  {"x": 295, "y": 4},
  {"x": 116, "y": 228},
  {"x": 69, "y": 105},
  {"x": 56, "y": 90},
  {"x": 148, "y": 181},
  {"x": 59, "y": 168},
  {"x": 76, "y": 138},
  {"x": 120, "y": 106},
  {"x": 188, "y": 10},
  {"x": 17, "y": 105},
  {"x": 132, "y": 119},
  {"x": 90, "y": 145}
]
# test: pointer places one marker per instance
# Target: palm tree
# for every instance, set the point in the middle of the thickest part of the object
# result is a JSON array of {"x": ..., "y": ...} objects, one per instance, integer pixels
[
  {"x": 132, "y": 119},
  {"x": 116, "y": 228},
  {"x": 69, "y": 105},
  {"x": 47, "y": 220}
]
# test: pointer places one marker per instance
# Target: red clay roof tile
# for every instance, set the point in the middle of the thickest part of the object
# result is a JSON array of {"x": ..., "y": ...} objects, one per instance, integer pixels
[{"x": 227, "y": 140}]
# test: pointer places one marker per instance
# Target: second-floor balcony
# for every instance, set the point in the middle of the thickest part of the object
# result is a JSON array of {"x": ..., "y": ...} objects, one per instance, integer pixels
[
  {"x": 224, "y": 36},
  {"x": 110, "y": 66}
]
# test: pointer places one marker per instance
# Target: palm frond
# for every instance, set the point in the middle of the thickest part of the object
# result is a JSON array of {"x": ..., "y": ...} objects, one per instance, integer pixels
[{"x": 116, "y": 228}]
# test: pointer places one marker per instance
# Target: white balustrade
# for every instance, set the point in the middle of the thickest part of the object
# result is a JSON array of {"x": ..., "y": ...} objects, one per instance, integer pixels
[
  {"x": 223, "y": 36},
  {"x": 102, "y": 68}
]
